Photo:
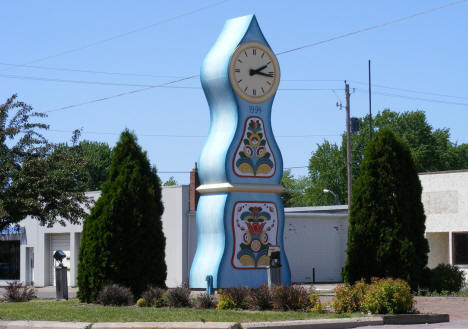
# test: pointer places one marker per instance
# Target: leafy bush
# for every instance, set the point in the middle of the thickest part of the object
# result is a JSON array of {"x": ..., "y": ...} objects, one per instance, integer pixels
[
  {"x": 236, "y": 295},
  {"x": 348, "y": 298},
  {"x": 290, "y": 298},
  {"x": 178, "y": 297},
  {"x": 446, "y": 277},
  {"x": 204, "y": 301},
  {"x": 141, "y": 303},
  {"x": 154, "y": 296},
  {"x": 388, "y": 296},
  {"x": 226, "y": 303},
  {"x": 314, "y": 303},
  {"x": 16, "y": 292},
  {"x": 260, "y": 299},
  {"x": 115, "y": 295}
]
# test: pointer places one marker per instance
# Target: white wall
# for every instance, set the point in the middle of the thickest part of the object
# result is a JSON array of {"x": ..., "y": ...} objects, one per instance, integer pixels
[
  {"x": 315, "y": 241},
  {"x": 445, "y": 200},
  {"x": 175, "y": 226}
]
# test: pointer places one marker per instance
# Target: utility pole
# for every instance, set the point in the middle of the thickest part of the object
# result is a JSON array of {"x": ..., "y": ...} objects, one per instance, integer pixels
[
  {"x": 348, "y": 144},
  {"x": 370, "y": 104}
]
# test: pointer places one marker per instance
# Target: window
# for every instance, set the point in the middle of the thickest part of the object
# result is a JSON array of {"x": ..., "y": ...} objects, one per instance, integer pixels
[
  {"x": 460, "y": 248},
  {"x": 9, "y": 260}
]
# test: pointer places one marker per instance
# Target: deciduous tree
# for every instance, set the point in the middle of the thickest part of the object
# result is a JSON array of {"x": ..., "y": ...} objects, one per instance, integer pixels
[{"x": 35, "y": 180}]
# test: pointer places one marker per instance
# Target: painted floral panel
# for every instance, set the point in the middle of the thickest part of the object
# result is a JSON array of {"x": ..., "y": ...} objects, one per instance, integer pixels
[
  {"x": 253, "y": 155},
  {"x": 255, "y": 228}
]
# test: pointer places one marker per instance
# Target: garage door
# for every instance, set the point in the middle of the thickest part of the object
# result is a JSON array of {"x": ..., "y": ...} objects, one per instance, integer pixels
[
  {"x": 315, "y": 248},
  {"x": 59, "y": 242}
]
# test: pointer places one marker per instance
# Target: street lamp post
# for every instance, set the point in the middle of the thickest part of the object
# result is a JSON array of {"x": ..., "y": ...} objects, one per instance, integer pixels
[{"x": 337, "y": 202}]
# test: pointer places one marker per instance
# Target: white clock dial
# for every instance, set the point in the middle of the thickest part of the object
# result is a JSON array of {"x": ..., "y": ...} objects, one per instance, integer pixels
[{"x": 254, "y": 72}]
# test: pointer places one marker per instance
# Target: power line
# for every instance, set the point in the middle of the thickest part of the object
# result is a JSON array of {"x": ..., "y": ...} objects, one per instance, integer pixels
[
  {"x": 373, "y": 27},
  {"x": 91, "y": 71},
  {"x": 124, "y": 34},
  {"x": 411, "y": 90},
  {"x": 185, "y": 136},
  {"x": 102, "y": 83},
  {"x": 120, "y": 94},
  {"x": 280, "y": 53},
  {"x": 431, "y": 100},
  {"x": 167, "y": 85}
]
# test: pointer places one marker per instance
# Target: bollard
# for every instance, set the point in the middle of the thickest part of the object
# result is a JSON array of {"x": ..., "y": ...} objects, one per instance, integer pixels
[{"x": 209, "y": 285}]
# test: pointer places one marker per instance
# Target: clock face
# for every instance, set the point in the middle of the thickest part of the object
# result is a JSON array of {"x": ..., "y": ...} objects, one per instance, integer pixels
[{"x": 254, "y": 72}]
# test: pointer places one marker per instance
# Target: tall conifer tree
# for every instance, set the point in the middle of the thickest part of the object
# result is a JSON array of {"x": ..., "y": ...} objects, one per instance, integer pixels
[
  {"x": 122, "y": 240},
  {"x": 387, "y": 221}
]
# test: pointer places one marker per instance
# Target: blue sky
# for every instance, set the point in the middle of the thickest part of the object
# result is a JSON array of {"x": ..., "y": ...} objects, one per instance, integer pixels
[{"x": 169, "y": 39}]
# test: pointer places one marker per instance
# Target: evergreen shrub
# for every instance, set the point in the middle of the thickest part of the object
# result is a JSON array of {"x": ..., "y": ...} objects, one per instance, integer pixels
[
  {"x": 122, "y": 240},
  {"x": 387, "y": 221},
  {"x": 447, "y": 278}
]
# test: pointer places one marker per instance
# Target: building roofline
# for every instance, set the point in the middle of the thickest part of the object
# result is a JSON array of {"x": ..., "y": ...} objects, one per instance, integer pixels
[
  {"x": 328, "y": 209},
  {"x": 443, "y": 172}
]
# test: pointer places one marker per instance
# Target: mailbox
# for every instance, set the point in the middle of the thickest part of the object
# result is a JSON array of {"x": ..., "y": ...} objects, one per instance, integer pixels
[{"x": 61, "y": 284}]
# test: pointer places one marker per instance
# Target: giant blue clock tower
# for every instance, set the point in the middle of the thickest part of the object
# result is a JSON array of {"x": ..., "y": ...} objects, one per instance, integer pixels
[{"x": 240, "y": 213}]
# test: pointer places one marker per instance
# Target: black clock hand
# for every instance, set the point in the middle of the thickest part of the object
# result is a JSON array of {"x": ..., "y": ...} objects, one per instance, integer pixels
[
  {"x": 265, "y": 74},
  {"x": 257, "y": 71}
]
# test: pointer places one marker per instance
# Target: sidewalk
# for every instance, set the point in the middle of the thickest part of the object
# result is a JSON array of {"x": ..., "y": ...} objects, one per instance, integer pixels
[{"x": 48, "y": 292}]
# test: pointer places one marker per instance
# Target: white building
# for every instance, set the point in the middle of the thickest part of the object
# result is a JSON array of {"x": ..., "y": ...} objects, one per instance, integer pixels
[
  {"x": 445, "y": 199},
  {"x": 315, "y": 237},
  {"x": 319, "y": 232}
]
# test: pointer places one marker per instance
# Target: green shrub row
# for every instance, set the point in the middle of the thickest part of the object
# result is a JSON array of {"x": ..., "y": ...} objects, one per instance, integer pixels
[
  {"x": 381, "y": 296},
  {"x": 294, "y": 298}
]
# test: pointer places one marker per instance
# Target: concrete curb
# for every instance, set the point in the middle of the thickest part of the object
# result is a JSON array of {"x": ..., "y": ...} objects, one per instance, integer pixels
[
  {"x": 166, "y": 325},
  {"x": 296, "y": 324},
  {"x": 318, "y": 323},
  {"x": 415, "y": 318},
  {"x": 44, "y": 325}
]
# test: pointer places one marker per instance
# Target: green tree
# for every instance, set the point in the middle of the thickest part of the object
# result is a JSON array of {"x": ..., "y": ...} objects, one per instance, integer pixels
[
  {"x": 35, "y": 180},
  {"x": 293, "y": 194},
  {"x": 326, "y": 171},
  {"x": 123, "y": 241},
  {"x": 386, "y": 232},
  {"x": 431, "y": 149},
  {"x": 170, "y": 182},
  {"x": 95, "y": 156}
]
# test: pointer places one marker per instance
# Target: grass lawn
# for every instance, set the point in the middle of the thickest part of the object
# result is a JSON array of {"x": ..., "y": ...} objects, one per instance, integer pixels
[{"x": 73, "y": 310}]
